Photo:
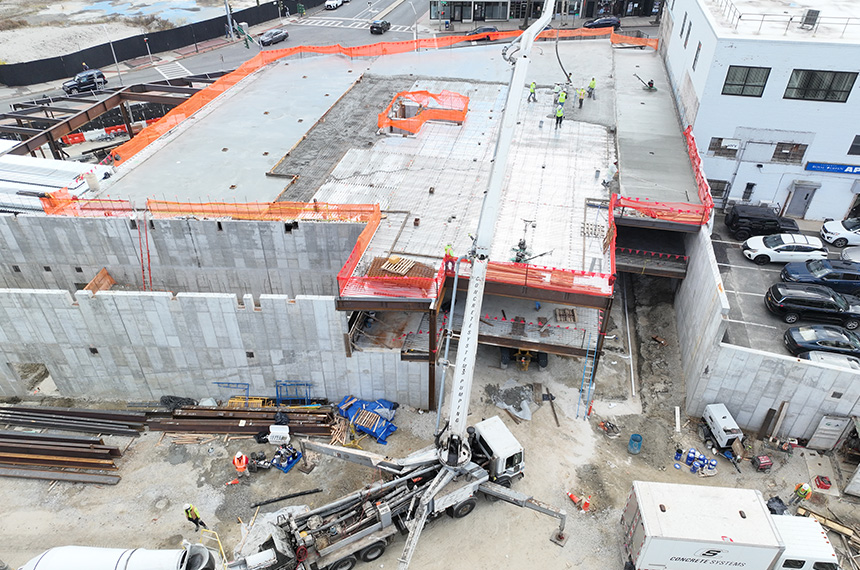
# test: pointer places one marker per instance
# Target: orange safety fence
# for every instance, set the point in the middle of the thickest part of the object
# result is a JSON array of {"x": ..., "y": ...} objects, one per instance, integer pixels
[
  {"x": 449, "y": 106},
  {"x": 679, "y": 212},
  {"x": 696, "y": 161},
  {"x": 267, "y": 211},
  {"x": 197, "y": 101},
  {"x": 542, "y": 277}
]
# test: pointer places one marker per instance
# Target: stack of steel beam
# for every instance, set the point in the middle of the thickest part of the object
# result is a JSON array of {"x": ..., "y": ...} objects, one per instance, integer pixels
[
  {"x": 57, "y": 457},
  {"x": 113, "y": 422},
  {"x": 309, "y": 420}
]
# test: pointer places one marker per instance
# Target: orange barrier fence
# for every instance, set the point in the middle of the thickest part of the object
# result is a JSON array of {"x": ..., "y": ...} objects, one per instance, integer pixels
[
  {"x": 696, "y": 161},
  {"x": 542, "y": 277},
  {"x": 197, "y": 101},
  {"x": 679, "y": 212},
  {"x": 450, "y": 107}
]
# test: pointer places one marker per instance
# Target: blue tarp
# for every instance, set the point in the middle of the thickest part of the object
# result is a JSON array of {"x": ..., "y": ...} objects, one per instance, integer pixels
[{"x": 375, "y": 416}]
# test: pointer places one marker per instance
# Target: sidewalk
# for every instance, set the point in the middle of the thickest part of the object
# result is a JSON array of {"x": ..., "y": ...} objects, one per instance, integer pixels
[{"x": 428, "y": 26}]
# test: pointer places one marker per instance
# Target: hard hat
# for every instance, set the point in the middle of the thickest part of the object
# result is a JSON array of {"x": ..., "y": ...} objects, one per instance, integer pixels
[
  {"x": 238, "y": 454},
  {"x": 187, "y": 506}
]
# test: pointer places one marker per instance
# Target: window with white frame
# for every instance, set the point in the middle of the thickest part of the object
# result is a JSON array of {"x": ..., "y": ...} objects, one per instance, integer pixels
[
  {"x": 696, "y": 59},
  {"x": 745, "y": 81},
  {"x": 811, "y": 85}
]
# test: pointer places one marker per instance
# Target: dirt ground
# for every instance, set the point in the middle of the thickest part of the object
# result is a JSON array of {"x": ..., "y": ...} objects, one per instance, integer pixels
[{"x": 145, "y": 509}]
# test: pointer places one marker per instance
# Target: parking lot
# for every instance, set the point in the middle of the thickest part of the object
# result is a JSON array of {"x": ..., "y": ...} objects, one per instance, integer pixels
[{"x": 750, "y": 323}]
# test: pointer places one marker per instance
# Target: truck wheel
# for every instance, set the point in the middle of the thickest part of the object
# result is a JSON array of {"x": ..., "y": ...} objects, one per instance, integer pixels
[
  {"x": 372, "y": 552},
  {"x": 464, "y": 509},
  {"x": 505, "y": 357},
  {"x": 347, "y": 563},
  {"x": 543, "y": 359},
  {"x": 841, "y": 242},
  {"x": 742, "y": 235}
]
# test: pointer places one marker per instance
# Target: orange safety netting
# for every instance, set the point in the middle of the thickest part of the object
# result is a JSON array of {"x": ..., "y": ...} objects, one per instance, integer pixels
[
  {"x": 680, "y": 212},
  {"x": 444, "y": 106},
  {"x": 197, "y": 101},
  {"x": 701, "y": 182},
  {"x": 542, "y": 277}
]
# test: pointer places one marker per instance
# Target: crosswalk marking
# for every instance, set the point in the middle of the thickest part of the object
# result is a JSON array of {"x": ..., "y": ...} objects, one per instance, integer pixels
[
  {"x": 355, "y": 25},
  {"x": 172, "y": 70}
]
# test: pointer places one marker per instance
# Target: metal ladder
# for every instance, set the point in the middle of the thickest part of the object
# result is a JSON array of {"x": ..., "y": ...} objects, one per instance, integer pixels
[
  {"x": 587, "y": 376},
  {"x": 212, "y": 536}
]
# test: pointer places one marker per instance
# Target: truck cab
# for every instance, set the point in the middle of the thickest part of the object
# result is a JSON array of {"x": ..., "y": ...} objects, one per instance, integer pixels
[
  {"x": 496, "y": 449},
  {"x": 806, "y": 544}
]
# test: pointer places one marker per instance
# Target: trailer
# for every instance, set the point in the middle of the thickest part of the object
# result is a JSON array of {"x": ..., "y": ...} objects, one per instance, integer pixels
[{"x": 686, "y": 527}]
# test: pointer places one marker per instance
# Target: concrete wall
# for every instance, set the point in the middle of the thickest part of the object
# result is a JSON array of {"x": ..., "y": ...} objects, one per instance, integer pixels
[
  {"x": 152, "y": 344},
  {"x": 750, "y": 382},
  {"x": 700, "y": 309},
  {"x": 181, "y": 254}
]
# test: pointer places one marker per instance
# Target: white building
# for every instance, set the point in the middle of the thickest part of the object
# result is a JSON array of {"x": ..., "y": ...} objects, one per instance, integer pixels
[{"x": 770, "y": 87}]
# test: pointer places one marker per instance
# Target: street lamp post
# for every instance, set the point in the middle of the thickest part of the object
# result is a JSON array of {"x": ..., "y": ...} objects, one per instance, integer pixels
[
  {"x": 118, "y": 74},
  {"x": 146, "y": 42},
  {"x": 414, "y": 25}
]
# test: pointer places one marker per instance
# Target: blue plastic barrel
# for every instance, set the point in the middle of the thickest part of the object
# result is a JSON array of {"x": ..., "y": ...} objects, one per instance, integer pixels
[
  {"x": 635, "y": 445},
  {"x": 678, "y": 454},
  {"x": 694, "y": 468},
  {"x": 691, "y": 456}
]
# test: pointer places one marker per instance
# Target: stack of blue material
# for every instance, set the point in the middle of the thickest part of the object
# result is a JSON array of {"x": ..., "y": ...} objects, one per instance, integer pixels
[{"x": 376, "y": 419}]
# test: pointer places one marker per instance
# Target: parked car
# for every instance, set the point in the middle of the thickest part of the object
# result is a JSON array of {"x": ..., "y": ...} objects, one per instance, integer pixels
[
  {"x": 333, "y": 4},
  {"x": 841, "y": 276},
  {"x": 795, "y": 301},
  {"x": 88, "y": 80},
  {"x": 783, "y": 248},
  {"x": 745, "y": 221},
  {"x": 842, "y": 360},
  {"x": 273, "y": 37},
  {"x": 826, "y": 338},
  {"x": 607, "y": 22},
  {"x": 850, "y": 254},
  {"x": 482, "y": 31},
  {"x": 379, "y": 26},
  {"x": 841, "y": 232}
]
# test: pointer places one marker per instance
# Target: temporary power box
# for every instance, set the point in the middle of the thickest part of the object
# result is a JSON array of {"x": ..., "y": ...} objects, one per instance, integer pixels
[{"x": 722, "y": 425}]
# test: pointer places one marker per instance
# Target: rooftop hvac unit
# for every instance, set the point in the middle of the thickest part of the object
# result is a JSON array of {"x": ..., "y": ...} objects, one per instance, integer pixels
[{"x": 810, "y": 18}]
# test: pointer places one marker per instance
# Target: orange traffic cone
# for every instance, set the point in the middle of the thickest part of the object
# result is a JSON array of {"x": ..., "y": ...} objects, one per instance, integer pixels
[
  {"x": 233, "y": 482},
  {"x": 574, "y": 498},
  {"x": 586, "y": 504}
]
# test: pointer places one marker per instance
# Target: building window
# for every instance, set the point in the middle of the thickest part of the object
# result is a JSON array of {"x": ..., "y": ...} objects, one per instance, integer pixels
[
  {"x": 718, "y": 188},
  {"x": 696, "y": 59},
  {"x": 683, "y": 23},
  {"x": 727, "y": 148},
  {"x": 748, "y": 191},
  {"x": 789, "y": 152},
  {"x": 746, "y": 81},
  {"x": 855, "y": 146},
  {"x": 687, "y": 39},
  {"x": 813, "y": 85},
  {"x": 494, "y": 10}
]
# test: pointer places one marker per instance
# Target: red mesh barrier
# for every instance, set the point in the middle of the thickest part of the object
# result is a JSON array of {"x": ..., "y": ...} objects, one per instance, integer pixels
[
  {"x": 680, "y": 212},
  {"x": 445, "y": 106},
  {"x": 542, "y": 277},
  {"x": 696, "y": 161}
]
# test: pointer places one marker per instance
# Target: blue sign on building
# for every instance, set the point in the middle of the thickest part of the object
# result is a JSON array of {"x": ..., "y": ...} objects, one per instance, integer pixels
[{"x": 829, "y": 167}]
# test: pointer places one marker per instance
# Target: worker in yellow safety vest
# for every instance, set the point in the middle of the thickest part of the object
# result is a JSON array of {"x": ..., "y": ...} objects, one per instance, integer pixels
[
  {"x": 801, "y": 493},
  {"x": 562, "y": 97},
  {"x": 559, "y": 116},
  {"x": 193, "y": 515},
  {"x": 532, "y": 93},
  {"x": 591, "y": 86}
]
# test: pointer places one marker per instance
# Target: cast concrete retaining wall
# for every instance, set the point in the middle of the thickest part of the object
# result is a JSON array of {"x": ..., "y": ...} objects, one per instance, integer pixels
[
  {"x": 140, "y": 346},
  {"x": 209, "y": 256}
]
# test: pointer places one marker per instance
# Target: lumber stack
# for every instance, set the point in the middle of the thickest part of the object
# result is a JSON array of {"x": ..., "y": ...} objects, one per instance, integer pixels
[
  {"x": 315, "y": 421},
  {"x": 57, "y": 457},
  {"x": 113, "y": 422}
]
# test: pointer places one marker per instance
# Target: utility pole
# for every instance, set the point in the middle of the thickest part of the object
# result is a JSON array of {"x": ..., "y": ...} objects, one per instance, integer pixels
[
  {"x": 118, "y": 74},
  {"x": 229, "y": 19}
]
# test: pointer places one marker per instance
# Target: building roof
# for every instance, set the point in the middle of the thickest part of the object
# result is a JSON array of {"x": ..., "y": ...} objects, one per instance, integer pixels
[{"x": 837, "y": 20}]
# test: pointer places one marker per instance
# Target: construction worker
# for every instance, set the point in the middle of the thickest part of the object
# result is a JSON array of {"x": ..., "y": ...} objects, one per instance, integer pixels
[
  {"x": 562, "y": 97},
  {"x": 555, "y": 91},
  {"x": 801, "y": 493},
  {"x": 240, "y": 462},
  {"x": 193, "y": 515},
  {"x": 559, "y": 116},
  {"x": 449, "y": 254},
  {"x": 581, "y": 95},
  {"x": 591, "y": 86},
  {"x": 532, "y": 93}
]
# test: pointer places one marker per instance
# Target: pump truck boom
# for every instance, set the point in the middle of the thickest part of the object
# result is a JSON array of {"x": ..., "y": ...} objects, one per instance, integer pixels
[{"x": 444, "y": 478}]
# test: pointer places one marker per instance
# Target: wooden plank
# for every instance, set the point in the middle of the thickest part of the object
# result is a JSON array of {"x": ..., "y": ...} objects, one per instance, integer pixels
[
  {"x": 48, "y": 475},
  {"x": 831, "y": 524},
  {"x": 768, "y": 419},
  {"x": 783, "y": 411}
]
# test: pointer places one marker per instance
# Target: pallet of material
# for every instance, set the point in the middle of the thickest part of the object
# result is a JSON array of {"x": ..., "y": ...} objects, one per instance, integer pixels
[{"x": 49, "y": 475}]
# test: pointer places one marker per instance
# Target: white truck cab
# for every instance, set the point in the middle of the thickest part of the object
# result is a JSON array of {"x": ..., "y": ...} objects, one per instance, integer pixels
[{"x": 495, "y": 441}]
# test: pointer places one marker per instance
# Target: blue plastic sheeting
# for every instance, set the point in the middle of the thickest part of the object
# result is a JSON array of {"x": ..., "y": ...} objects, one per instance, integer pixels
[{"x": 376, "y": 425}]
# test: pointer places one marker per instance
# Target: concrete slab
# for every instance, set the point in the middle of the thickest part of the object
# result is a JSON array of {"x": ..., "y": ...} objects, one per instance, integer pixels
[{"x": 820, "y": 465}]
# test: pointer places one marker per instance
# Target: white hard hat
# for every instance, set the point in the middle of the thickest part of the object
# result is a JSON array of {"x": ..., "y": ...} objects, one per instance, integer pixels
[
  {"x": 187, "y": 506},
  {"x": 238, "y": 454}
]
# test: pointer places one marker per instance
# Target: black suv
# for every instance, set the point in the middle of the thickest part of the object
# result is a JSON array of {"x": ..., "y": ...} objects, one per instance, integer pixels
[
  {"x": 88, "y": 80},
  {"x": 842, "y": 276},
  {"x": 744, "y": 221},
  {"x": 379, "y": 26},
  {"x": 795, "y": 301}
]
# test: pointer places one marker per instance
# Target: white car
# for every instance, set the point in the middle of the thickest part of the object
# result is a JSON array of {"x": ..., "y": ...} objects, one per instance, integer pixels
[
  {"x": 851, "y": 254},
  {"x": 783, "y": 248},
  {"x": 841, "y": 232},
  {"x": 842, "y": 360},
  {"x": 333, "y": 4}
]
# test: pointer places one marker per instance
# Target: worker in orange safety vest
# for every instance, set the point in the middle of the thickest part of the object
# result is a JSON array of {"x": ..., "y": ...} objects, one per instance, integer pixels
[
  {"x": 801, "y": 492},
  {"x": 240, "y": 462}
]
